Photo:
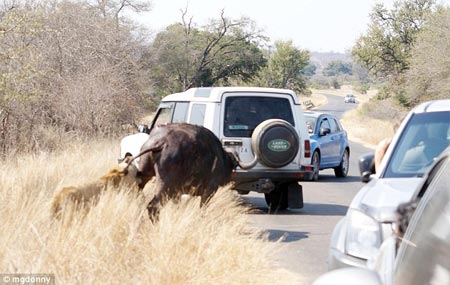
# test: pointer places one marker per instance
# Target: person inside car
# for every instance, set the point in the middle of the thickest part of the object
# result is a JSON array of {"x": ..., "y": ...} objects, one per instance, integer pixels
[{"x": 380, "y": 150}]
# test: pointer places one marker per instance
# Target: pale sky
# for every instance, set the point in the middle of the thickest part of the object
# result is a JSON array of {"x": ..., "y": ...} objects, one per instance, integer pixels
[{"x": 316, "y": 25}]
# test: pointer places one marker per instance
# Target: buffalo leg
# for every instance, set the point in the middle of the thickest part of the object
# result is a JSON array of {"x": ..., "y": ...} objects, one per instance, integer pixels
[{"x": 155, "y": 203}]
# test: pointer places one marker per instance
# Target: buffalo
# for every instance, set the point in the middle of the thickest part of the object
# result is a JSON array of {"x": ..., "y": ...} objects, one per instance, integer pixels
[{"x": 185, "y": 159}]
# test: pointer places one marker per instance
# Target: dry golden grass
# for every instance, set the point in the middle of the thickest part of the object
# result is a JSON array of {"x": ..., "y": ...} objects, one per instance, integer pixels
[
  {"x": 115, "y": 243},
  {"x": 366, "y": 130}
]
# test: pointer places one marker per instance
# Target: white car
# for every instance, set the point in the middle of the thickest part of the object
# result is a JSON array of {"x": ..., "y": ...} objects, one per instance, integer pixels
[
  {"x": 349, "y": 98},
  {"x": 263, "y": 125},
  {"x": 422, "y": 136}
]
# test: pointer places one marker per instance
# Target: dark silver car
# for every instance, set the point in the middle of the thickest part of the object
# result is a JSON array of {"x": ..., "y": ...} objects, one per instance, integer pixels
[
  {"x": 423, "y": 256},
  {"x": 422, "y": 136}
]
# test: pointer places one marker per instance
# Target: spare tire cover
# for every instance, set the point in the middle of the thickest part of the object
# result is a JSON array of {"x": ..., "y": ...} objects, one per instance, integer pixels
[{"x": 275, "y": 142}]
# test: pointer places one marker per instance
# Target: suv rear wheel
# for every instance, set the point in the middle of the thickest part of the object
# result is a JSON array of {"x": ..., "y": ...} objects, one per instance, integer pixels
[{"x": 277, "y": 199}]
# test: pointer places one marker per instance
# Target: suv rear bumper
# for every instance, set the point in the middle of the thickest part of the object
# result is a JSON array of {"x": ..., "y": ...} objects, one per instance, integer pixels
[
  {"x": 268, "y": 181},
  {"x": 276, "y": 176}
]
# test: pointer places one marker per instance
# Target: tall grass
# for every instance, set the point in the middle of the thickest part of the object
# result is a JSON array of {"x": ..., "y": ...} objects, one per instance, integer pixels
[
  {"x": 366, "y": 129},
  {"x": 115, "y": 243},
  {"x": 373, "y": 121}
]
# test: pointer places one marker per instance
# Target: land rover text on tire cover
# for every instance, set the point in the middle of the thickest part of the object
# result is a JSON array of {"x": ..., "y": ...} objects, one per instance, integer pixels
[{"x": 264, "y": 126}]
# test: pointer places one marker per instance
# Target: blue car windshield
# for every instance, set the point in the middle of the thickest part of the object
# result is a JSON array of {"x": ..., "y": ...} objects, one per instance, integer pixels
[
  {"x": 423, "y": 139},
  {"x": 310, "y": 123}
]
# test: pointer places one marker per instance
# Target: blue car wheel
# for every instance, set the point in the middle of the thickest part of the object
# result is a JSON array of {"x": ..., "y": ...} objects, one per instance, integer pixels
[
  {"x": 342, "y": 169},
  {"x": 315, "y": 161}
]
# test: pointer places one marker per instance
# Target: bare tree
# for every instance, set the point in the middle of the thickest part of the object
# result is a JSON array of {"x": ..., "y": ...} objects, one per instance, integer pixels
[
  {"x": 113, "y": 8},
  {"x": 65, "y": 71},
  {"x": 185, "y": 56}
]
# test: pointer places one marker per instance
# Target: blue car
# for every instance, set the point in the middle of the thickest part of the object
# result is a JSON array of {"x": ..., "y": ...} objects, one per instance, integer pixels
[{"x": 329, "y": 144}]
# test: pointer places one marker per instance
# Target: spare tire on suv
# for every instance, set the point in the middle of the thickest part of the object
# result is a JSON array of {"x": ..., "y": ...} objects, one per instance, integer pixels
[{"x": 275, "y": 142}]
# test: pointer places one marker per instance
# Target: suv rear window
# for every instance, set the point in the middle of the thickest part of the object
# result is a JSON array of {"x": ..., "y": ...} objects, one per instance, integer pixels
[{"x": 243, "y": 114}]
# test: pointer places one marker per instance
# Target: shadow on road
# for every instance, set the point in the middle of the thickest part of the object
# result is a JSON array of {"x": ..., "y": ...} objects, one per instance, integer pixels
[
  {"x": 337, "y": 113},
  {"x": 334, "y": 179},
  {"x": 258, "y": 206},
  {"x": 286, "y": 236},
  {"x": 323, "y": 210}
]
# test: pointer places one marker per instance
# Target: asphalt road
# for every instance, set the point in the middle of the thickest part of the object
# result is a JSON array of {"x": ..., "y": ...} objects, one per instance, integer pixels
[{"x": 306, "y": 232}]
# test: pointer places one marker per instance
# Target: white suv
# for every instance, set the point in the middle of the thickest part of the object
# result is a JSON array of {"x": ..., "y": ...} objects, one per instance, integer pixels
[{"x": 265, "y": 126}]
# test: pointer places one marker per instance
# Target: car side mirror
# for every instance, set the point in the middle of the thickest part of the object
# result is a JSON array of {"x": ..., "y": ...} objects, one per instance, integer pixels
[
  {"x": 366, "y": 164},
  {"x": 324, "y": 131},
  {"x": 143, "y": 129}
]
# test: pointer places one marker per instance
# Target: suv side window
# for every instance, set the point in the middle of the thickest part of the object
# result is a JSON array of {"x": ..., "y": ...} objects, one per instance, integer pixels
[
  {"x": 180, "y": 112},
  {"x": 164, "y": 115},
  {"x": 197, "y": 114}
]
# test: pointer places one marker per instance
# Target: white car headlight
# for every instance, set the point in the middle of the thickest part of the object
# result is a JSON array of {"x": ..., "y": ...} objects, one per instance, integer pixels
[{"x": 363, "y": 237}]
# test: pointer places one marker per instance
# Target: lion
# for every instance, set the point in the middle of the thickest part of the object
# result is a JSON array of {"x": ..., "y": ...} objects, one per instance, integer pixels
[{"x": 124, "y": 174}]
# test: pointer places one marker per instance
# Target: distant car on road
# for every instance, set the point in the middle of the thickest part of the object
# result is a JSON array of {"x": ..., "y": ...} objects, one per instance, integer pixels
[
  {"x": 350, "y": 98},
  {"x": 421, "y": 137},
  {"x": 422, "y": 255},
  {"x": 329, "y": 144}
]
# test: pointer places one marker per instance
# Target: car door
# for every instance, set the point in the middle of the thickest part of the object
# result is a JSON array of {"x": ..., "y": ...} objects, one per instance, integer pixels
[
  {"x": 325, "y": 141},
  {"x": 424, "y": 255},
  {"x": 337, "y": 138}
]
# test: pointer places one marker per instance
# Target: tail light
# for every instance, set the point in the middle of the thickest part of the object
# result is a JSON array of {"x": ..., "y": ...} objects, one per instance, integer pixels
[{"x": 307, "y": 148}]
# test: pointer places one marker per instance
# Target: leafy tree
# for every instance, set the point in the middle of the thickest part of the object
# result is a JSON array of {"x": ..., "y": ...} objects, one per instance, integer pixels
[
  {"x": 335, "y": 83},
  {"x": 184, "y": 56},
  {"x": 361, "y": 74},
  {"x": 429, "y": 74},
  {"x": 337, "y": 67},
  {"x": 386, "y": 48},
  {"x": 310, "y": 69},
  {"x": 286, "y": 68}
]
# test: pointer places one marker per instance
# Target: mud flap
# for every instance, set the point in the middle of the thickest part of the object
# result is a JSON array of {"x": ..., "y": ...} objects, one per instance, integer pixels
[{"x": 295, "y": 196}]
